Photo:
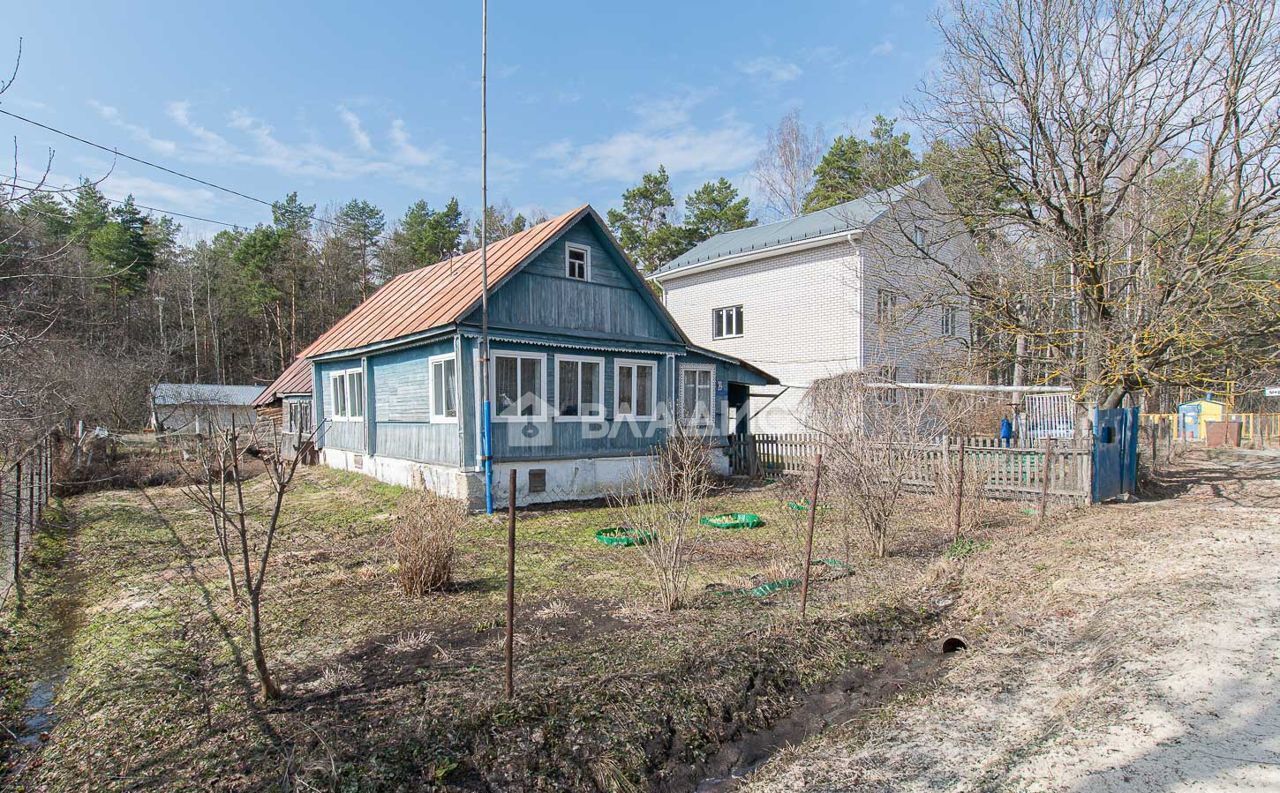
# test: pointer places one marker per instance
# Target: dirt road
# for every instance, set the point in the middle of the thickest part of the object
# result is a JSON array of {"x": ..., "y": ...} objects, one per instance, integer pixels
[{"x": 1128, "y": 647}]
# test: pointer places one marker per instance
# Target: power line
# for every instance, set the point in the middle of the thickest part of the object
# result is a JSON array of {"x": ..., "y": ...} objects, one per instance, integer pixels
[
  {"x": 138, "y": 160},
  {"x": 116, "y": 152},
  {"x": 38, "y": 189}
]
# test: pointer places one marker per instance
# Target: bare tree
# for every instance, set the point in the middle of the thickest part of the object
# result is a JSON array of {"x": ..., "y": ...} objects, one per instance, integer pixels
[
  {"x": 876, "y": 444},
  {"x": 784, "y": 169},
  {"x": 663, "y": 505},
  {"x": 1126, "y": 153},
  {"x": 245, "y": 531}
]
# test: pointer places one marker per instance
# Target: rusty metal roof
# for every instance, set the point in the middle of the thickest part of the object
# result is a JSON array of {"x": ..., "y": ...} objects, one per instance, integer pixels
[
  {"x": 295, "y": 379},
  {"x": 436, "y": 295}
]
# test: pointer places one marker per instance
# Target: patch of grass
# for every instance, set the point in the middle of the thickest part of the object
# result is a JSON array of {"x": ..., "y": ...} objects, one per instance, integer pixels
[
  {"x": 391, "y": 692},
  {"x": 965, "y": 546}
]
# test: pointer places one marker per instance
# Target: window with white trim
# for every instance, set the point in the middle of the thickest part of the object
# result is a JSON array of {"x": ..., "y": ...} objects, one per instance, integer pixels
[
  {"x": 635, "y": 386},
  {"x": 726, "y": 323},
  {"x": 338, "y": 395},
  {"x": 697, "y": 395},
  {"x": 577, "y": 262},
  {"x": 579, "y": 387},
  {"x": 949, "y": 316},
  {"x": 519, "y": 386},
  {"x": 444, "y": 388},
  {"x": 886, "y": 305},
  {"x": 355, "y": 394}
]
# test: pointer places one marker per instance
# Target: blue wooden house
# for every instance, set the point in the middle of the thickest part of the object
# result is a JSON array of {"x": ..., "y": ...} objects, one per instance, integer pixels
[{"x": 588, "y": 372}]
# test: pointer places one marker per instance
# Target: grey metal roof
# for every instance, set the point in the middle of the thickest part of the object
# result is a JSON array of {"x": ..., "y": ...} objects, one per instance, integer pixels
[
  {"x": 849, "y": 216},
  {"x": 204, "y": 394}
]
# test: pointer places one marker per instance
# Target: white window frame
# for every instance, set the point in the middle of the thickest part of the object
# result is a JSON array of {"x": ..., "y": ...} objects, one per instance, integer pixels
[
  {"x": 568, "y": 263},
  {"x": 950, "y": 321},
  {"x": 618, "y": 363},
  {"x": 718, "y": 324},
  {"x": 709, "y": 419},
  {"x": 541, "y": 357},
  {"x": 336, "y": 378},
  {"x": 599, "y": 413},
  {"x": 886, "y": 314},
  {"x": 361, "y": 401},
  {"x": 441, "y": 418}
]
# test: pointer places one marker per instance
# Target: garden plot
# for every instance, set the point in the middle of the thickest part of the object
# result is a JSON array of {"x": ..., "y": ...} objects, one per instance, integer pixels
[{"x": 385, "y": 691}]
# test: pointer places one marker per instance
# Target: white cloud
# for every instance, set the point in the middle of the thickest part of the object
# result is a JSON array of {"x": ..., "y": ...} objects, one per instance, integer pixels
[
  {"x": 358, "y": 135},
  {"x": 625, "y": 155},
  {"x": 669, "y": 111},
  {"x": 210, "y": 142},
  {"x": 883, "y": 49},
  {"x": 771, "y": 69},
  {"x": 140, "y": 133},
  {"x": 406, "y": 152}
]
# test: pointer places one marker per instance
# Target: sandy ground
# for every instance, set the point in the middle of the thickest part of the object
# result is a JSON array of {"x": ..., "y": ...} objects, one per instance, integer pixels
[{"x": 1133, "y": 647}]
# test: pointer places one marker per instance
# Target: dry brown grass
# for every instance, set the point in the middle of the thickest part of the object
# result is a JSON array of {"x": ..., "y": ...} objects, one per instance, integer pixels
[{"x": 426, "y": 540}]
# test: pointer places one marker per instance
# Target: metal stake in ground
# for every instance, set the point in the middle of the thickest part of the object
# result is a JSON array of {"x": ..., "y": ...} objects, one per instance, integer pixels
[
  {"x": 959, "y": 491},
  {"x": 808, "y": 540},
  {"x": 511, "y": 581}
]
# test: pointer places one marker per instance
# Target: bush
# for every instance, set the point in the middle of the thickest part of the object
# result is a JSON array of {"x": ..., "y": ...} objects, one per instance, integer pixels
[{"x": 426, "y": 537}]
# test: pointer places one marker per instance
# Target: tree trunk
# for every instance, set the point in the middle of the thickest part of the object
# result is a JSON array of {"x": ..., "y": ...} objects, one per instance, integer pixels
[{"x": 270, "y": 690}]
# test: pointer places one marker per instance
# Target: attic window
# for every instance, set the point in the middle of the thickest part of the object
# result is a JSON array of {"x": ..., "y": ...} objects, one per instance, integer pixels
[
  {"x": 577, "y": 262},
  {"x": 920, "y": 236}
]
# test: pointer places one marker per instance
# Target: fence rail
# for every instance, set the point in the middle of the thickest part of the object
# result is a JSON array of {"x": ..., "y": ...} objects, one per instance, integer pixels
[
  {"x": 1008, "y": 472},
  {"x": 26, "y": 485}
]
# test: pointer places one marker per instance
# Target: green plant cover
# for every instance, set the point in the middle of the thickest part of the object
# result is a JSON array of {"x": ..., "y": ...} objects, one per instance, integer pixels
[
  {"x": 624, "y": 536},
  {"x": 733, "y": 520}
]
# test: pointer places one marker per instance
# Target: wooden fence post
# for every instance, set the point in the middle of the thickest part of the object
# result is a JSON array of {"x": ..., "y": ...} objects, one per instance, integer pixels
[
  {"x": 959, "y": 490},
  {"x": 511, "y": 583},
  {"x": 808, "y": 540},
  {"x": 1048, "y": 471}
]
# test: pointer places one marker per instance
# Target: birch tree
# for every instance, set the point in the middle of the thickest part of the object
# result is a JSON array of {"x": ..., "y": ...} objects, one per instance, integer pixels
[{"x": 1133, "y": 146}]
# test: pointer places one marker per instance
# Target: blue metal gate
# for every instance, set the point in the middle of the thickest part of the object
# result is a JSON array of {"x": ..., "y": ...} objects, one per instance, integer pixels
[{"x": 1115, "y": 453}]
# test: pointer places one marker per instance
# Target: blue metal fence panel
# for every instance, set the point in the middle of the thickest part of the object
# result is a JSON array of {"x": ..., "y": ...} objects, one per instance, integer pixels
[{"x": 1115, "y": 453}]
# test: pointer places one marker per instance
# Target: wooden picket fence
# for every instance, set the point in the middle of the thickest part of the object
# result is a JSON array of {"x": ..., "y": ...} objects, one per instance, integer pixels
[{"x": 1015, "y": 473}]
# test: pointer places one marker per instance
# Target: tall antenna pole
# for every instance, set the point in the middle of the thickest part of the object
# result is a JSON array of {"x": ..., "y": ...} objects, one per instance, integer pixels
[{"x": 486, "y": 426}]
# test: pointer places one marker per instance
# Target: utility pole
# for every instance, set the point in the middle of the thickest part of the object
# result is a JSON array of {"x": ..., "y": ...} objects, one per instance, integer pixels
[{"x": 486, "y": 422}]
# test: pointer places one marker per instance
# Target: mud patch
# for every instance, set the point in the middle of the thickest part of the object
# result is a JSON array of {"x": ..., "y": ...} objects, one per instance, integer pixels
[{"x": 838, "y": 702}]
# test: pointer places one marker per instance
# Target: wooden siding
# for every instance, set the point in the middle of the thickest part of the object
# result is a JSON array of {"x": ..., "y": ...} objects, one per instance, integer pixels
[
  {"x": 568, "y": 439},
  {"x": 542, "y": 296},
  {"x": 401, "y": 407},
  {"x": 342, "y": 434}
]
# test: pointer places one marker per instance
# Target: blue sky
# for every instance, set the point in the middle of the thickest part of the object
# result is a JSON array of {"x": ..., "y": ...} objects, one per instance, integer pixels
[{"x": 341, "y": 100}]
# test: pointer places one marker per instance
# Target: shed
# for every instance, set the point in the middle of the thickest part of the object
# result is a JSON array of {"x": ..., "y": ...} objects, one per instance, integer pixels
[
  {"x": 198, "y": 408},
  {"x": 1193, "y": 415}
]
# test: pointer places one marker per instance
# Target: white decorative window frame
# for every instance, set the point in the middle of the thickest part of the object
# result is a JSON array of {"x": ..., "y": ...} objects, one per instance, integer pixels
[
  {"x": 440, "y": 418},
  {"x": 543, "y": 409},
  {"x": 600, "y": 405},
  {"x": 568, "y": 264},
  {"x": 618, "y": 363}
]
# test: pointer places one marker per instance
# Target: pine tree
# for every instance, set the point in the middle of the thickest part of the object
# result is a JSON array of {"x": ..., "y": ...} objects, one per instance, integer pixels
[
  {"x": 853, "y": 166},
  {"x": 89, "y": 211},
  {"x": 44, "y": 212},
  {"x": 713, "y": 209},
  {"x": 645, "y": 225}
]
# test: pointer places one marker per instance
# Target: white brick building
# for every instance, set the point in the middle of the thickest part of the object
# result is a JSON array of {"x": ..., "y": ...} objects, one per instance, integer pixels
[{"x": 859, "y": 285}]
